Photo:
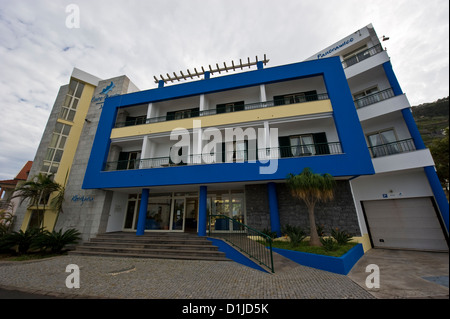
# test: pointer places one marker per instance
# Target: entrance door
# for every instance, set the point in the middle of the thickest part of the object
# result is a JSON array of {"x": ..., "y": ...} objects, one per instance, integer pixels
[
  {"x": 410, "y": 223},
  {"x": 178, "y": 208},
  {"x": 190, "y": 224}
]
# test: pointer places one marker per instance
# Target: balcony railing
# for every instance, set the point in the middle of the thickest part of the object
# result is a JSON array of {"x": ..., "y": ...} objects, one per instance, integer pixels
[
  {"x": 251, "y": 106},
  {"x": 374, "y": 98},
  {"x": 392, "y": 148},
  {"x": 229, "y": 157},
  {"x": 362, "y": 56}
]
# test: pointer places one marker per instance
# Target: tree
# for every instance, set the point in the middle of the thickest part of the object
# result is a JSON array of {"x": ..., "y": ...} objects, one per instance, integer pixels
[
  {"x": 440, "y": 151},
  {"x": 311, "y": 188},
  {"x": 37, "y": 191}
]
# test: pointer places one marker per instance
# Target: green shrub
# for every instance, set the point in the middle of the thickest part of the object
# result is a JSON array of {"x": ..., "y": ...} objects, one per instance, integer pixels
[
  {"x": 57, "y": 240},
  {"x": 342, "y": 237},
  {"x": 296, "y": 234},
  {"x": 23, "y": 240},
  {"x": 271, "y": 234},
  {"x": 329, "y": 243}
]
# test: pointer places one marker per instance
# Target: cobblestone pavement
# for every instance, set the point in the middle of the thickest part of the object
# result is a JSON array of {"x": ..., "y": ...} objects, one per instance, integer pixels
[{"x": 132, "y": 278}]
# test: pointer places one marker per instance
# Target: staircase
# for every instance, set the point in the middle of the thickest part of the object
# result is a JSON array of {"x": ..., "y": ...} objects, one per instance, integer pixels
[{"x": 151, "y": 245}]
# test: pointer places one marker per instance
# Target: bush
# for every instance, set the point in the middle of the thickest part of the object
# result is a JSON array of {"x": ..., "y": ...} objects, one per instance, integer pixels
[
  {"x": 296, "y": 234},
  {"x": 329, "y": 243},
  {"x": 23, "y": 240},
  {"x": 271, "y": 234},
  {"x": 342, "y": 237},
  {"x": 57, "y": 240}
]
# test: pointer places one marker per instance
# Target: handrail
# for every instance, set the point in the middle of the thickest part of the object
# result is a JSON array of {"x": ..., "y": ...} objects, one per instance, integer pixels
[
  {"x": 239, "y": 237},
  {"x": 374, "y": 98},
  {"x": 402, "y": 146},
  {"x": 361, "y": 56},
  {"x": 235, "y": 156},
  {"x": 246, "y": 107}
]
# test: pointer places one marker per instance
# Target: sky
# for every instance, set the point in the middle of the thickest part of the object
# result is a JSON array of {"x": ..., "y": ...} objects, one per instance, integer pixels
[{"x": 39, "y": 47}]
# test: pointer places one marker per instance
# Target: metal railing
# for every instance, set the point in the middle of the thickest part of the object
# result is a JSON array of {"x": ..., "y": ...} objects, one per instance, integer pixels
[
  {"x": 246, "y": 107},
  {"x": 245, "y": 238},
  {"x": 235, "y": 156},
  {"x": 374, "y": 98},
  {"x": 392, "y": 148},
  {"x": 361, "y": 56}
]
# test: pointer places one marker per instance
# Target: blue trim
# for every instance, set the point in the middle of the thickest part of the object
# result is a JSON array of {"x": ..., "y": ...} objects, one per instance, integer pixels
[
  {"x": 339, "y": 265},
  {"x": 439, "y": 194},
  {"x": 235, "y": 255},
  {"x": 387, "y": 66},
  {"x": 273, "y": 206},
  {"x": 413, "y": 130},
  {"x": 356, "y": 159},
  {"x": 202, "y": 212},
  {"x": 140, "y": 229}
]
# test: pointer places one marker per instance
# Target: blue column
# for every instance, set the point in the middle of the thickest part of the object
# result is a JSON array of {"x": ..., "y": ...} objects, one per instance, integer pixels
[
  {"x": 387, "y": 66},
  {"x": 202, "y": 213},
  {"x": 438, "y": 192},
  {"x": 273, "y": 206},
  {"x": 142, "y": 212}
]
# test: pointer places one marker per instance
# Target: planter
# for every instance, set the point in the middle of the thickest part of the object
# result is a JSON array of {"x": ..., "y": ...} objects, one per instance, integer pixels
[{"x": 339, "y": 265}]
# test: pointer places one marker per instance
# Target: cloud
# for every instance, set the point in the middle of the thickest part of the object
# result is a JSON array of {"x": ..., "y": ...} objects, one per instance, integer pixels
[{"x": 145, "y": 38}]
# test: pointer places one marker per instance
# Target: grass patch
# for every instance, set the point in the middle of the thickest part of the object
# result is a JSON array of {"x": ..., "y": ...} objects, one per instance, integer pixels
[{"x": 306, "y": 248}]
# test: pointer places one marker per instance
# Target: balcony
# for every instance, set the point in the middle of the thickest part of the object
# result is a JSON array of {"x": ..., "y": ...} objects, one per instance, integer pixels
[
  {"x": 236, "y": 156},
  {"x": 374, "y": 98},
  {"x": 363, "y": 61},
  {"x": 392, "y": 148},
  {"x": 362, "y": 56},
  {"x": 195, "y": 112}
]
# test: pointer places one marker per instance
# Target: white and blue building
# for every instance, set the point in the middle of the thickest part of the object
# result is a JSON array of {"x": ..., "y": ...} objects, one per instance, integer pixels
[{"x": 342, "y": 112}]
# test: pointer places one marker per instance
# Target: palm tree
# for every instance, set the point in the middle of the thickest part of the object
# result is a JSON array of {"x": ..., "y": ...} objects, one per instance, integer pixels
[
  {"x": 311, "y": 188},
  {"x": 38, "y": 191}
]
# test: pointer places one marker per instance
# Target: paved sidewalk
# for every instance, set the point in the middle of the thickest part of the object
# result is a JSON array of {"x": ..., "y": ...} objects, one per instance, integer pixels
[{"x": 130, "y": 278}]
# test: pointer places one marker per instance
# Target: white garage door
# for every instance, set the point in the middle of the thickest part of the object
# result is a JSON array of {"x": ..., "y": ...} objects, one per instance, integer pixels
[{"x": 404, "y": 223}]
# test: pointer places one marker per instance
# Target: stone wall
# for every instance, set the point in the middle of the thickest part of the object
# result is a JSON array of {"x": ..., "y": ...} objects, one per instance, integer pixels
[{"x": 339, "y": 213}]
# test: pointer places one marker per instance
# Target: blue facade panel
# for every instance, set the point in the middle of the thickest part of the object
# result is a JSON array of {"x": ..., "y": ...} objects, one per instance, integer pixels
[{"x": 355, "y": 159}]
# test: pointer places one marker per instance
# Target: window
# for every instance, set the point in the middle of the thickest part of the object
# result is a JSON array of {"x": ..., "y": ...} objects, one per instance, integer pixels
[
  {"x": 129, "y": 160},
  {"x": 182, "y": 114},
  {"x": 230, "y": 107},
  {"x": 56, "y": 148},
  {"x": 383, "y": 143},
  {"x": 372, "y": 98},
  {"x": 71, "y": 101},
  {"x": 304, "y": 145},
  {"x": 295, "y": 98},
  {"x": 356, "y": 56},
  {"x": 36, "y": 218}
]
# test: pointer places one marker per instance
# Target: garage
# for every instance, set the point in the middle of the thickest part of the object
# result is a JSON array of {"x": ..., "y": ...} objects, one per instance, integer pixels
[{"x": 410, "y": 223}]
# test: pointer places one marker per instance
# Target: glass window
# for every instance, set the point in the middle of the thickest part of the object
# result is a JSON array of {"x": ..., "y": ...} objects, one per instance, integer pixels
[
  {"x": 71, "y": 101},
  {"x": 383, "y": 143},
  {"x": 302, "y": 145}
]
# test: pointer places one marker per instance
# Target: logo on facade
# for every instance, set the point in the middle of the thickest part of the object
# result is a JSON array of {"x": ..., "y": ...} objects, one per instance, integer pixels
[
  {"x": 105, "y": 93},
  {"x": 107, "y": 89},
  {"x": 82, "y": 199}
]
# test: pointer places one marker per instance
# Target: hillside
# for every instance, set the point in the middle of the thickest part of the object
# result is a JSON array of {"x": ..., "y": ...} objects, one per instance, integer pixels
[{"x": 432, "y": 118}]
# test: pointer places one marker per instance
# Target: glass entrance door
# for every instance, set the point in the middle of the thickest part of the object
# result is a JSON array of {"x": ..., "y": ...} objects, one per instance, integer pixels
[{"x": 178, "y": 214}]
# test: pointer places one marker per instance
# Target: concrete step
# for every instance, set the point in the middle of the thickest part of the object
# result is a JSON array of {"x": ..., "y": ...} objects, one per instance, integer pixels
[{"x": 158, "y": 245}]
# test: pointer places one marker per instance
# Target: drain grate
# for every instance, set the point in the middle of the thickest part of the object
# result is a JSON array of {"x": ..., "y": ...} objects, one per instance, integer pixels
[{"x": 440, "y": 280}]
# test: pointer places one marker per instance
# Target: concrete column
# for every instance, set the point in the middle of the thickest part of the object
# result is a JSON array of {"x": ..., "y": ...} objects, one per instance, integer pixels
[
  {"x": 273, "y": 207},
  {"x": 202, "y": 211},
  {"x": 142, "y": 212}
]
